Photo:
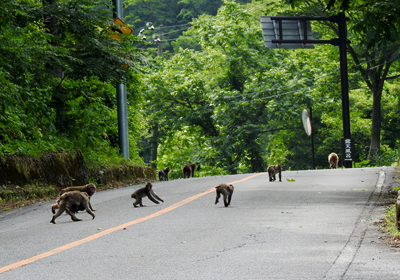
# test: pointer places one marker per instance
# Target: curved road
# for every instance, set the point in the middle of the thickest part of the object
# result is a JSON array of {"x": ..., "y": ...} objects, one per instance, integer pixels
[{"x": 316, "y": 225}]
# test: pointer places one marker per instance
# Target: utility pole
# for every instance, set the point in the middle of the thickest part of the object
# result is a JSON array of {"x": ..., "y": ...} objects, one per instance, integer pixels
[
  {"x": 312, "y": 142},
  {"x": 160, "y": 42},
  {"x": 154, "y": 142},
  {"x": 122, "y": 109},
  {"x": 344, "y": 81}
]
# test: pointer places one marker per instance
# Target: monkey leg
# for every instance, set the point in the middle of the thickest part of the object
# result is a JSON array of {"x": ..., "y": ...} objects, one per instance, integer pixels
[
  {"x": 90, "y": 212},
  {"x": 226, "y": 203},
  {"x": 59, "y": 212},
  {"x": 73, "y": 217},
  {"x": 270, "y": 176},
  {"x": 280, "y": 177},
  {"x": 217, "y": 197},
  {"x": 229, "y": 198},
  {"x": 90, "y": 207},
  {"x": 156, "y": 196},
  {"x": 153, "y": 199},
  {"x": 138, "y": 201}
]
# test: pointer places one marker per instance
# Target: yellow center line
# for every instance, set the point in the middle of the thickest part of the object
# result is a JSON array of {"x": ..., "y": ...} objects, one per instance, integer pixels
[{"x": 111, "y": 230}]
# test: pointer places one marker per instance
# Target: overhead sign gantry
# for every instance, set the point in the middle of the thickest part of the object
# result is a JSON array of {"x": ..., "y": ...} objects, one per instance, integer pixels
[{"x": 294, "y": 33}]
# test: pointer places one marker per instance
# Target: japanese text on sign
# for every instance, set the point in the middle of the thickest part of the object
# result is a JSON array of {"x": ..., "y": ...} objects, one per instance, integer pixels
[{"x": 347, "y": 150}]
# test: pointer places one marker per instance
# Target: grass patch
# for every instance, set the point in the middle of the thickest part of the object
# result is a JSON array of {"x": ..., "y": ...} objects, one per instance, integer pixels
[
  {"x": 391, "y": 220},
  {"x": 14, "y": 193},
  {"x": 12, "y": 197}
]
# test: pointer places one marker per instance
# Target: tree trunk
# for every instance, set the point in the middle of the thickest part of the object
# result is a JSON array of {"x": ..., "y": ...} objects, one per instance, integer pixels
[
  {"x": 378, "y": 77},
  {"x": 154, "y": 146},
  {"x": 50, "y": 22},
  {"x": 376, "y": 125},
  {"x": 375, "y": 75}
]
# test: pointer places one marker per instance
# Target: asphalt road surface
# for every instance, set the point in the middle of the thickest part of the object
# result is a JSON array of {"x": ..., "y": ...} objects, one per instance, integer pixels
[{"x": 313, "y": 225}]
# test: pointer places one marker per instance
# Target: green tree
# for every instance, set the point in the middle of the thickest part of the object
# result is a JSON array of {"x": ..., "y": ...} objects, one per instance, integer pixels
[
  {"x": 233, "y": 91},
  {"x": 47, "y": 112},
  {"x": 239, "y": 104},
  {"x": 25, "y": 90},
  {"x": 374, "y": 32},
  {"x": 174, "y": 16}
]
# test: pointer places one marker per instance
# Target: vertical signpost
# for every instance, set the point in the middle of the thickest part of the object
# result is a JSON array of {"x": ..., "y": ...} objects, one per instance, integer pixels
[
  {"x": 122, "y": 108},
  {"x": 347, "y": 152},
  {"x": 295, "y": 32}
]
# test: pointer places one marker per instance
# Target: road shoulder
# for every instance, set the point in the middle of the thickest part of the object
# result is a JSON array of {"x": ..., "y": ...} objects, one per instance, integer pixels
[{"x": 378, "y": 256}]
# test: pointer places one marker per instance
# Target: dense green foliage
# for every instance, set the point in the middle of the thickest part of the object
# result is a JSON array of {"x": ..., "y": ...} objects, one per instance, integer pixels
[
  {"x": 235, "y": 105},
  {"x": 69, "y": 39},
  {"x": 374, "y": 32},
  {"x": 173, "y": 15},
  {"x": 216, "y": 97}
]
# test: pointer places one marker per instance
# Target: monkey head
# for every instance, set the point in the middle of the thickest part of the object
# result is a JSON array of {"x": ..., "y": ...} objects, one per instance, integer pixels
[
  {"x": 149, "y": 186},
  {"x": 91, "y": 189}
]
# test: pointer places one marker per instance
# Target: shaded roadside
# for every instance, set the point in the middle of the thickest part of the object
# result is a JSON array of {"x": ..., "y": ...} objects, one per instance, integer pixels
[{"x": 378, "y": 255}]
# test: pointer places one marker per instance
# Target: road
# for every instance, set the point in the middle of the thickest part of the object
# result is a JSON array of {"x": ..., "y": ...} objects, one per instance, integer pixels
[{"x": 316, "y": 225}]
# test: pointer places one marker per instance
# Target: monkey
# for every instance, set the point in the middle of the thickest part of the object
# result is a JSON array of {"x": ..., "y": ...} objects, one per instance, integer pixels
[
  {"x": 333, "y": 160},
  {"x": 163, "y": 174},
  {"x": 188, "y": 170},
  {"x": 227, "y": 191},
  {"x": 145, "y": 191},
  {"x": 273, "y": 170},
  {"x": 72, "y": 202},
  {"x": 90, "y": 189}
]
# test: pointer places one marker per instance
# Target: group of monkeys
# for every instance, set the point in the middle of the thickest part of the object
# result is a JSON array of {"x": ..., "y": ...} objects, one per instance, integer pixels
[
  {"x": 188, "y": 171},
  {"x": 74, "y": 199}
]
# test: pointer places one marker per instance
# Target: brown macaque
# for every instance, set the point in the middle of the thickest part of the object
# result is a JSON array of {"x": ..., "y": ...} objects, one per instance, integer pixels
[
  {"x": 333, "y": 160},
  {"x": 226, "y": 191},
  {"x": 145, "y": 191},
  {"x": 90, "y": 189},
  {"x": 163, "y": 174},
  {"x": 188, "y": 170},
  {"x": 273, "y": 170},
  {"x": 71, "y": 202}
]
